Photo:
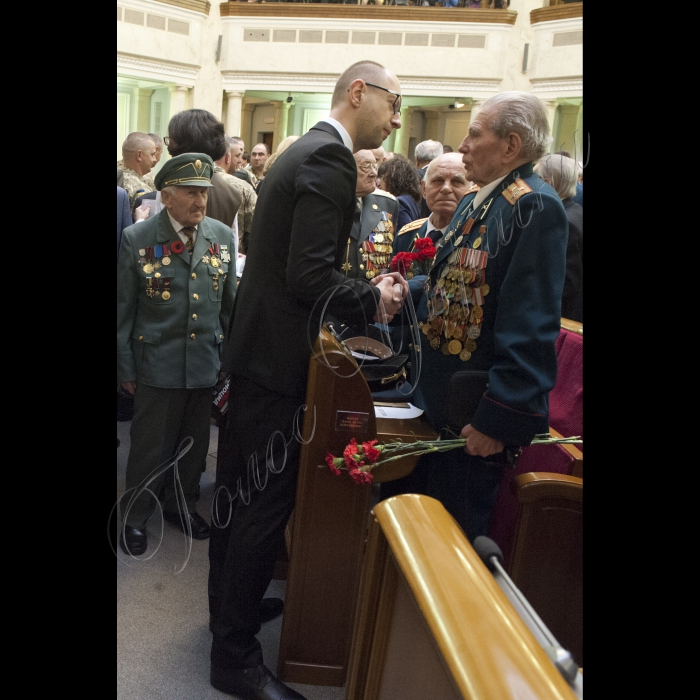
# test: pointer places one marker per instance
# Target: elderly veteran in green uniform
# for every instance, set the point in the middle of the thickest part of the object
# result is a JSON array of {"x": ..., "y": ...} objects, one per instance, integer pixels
[
  {"x": 490, "y": 313},
  {"x": 368, "y": 248},
  {"x": 174, "y": 298}
]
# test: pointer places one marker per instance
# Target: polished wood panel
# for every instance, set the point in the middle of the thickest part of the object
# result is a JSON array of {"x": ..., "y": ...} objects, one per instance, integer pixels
[
  {"x": 424, "y": 588},
  {"x": 554, "y": 12},
  {"x": 391, "y": 13},
  {"x": 330, "y": 520},
  {"x": 547, "y": 558}
]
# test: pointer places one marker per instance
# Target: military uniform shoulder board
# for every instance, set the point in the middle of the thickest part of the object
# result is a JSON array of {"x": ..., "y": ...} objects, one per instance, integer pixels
[
  {"x": 384, "y": 193},
  {"x": 412, "y": 226},
  {"x": 472, "y": 189},
  {"x": 515, "y": 191}
]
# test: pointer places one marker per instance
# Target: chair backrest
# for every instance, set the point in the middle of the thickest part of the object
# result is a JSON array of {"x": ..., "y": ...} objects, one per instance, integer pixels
[
  {"x": 565, "y": 420},
  {"x": 547, "y": 556},
  {"x": 432, "y": 620}
]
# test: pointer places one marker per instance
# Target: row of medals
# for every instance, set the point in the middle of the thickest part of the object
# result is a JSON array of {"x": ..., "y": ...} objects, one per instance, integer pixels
[
  {"x": 452, "y": 325},
  {"x": 154, "y": 268},
  {"x": 376, "y": 252}
]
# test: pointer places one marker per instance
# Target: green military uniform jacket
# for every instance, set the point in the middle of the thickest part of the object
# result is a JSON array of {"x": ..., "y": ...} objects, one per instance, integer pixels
[{"x": 173, "y": 342}]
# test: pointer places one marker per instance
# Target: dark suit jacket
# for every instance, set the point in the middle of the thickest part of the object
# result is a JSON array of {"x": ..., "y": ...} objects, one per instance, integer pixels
[
  {"x": 300, "y": 229},
  {"x": 572, "y": 298},
  {"x": 123, "y": 215}
]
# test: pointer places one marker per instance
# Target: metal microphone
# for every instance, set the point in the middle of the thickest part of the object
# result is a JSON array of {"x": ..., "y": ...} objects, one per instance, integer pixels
[{"x": 490, "y": 553}]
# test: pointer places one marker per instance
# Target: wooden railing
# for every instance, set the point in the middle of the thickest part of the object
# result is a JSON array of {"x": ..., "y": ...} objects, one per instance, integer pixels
[
  {"x": 553, "y": 12},
  {"x": 376, "y": 12},
  {"x": 195, "y": 5}
]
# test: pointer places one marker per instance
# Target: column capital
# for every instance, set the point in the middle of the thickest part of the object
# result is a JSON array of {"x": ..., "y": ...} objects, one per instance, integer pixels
[{"x": 234, "y": 94}]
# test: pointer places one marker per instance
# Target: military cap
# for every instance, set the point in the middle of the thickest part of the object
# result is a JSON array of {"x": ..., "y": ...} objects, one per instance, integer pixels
[{"x": 186, "y": 169}]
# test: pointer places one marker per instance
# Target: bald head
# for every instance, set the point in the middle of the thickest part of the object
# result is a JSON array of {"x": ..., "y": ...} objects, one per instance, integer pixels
[
  {"x": 443, "y": 187},
  {"x": 369, "y": 71},
  {"x": 139, "y": 152},
  {"x": 366, "y": 172}
]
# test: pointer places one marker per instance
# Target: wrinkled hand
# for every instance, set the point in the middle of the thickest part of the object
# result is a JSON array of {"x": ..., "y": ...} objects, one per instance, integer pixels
[
  {"x": 129, "y": 387},
  {"x": 397, "y": 280},
  {"x": 480, "y": 444},
  {"x": 141, "y": 213}
]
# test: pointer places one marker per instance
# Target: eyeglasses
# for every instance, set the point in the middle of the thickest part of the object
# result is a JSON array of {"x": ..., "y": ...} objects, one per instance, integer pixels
[
  {"x": 166, "y": 140},
  {"x": 397, "y": 102},
  {"x": 368, "y": 168}
]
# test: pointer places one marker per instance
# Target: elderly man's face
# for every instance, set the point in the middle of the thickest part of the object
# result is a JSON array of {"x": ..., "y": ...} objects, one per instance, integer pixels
[
  {"x": 482, "y": 151},
  {"x": 366, "y": 173},
  {"x": 187, "y": 204},
  {"x": 447, "y": 184}
]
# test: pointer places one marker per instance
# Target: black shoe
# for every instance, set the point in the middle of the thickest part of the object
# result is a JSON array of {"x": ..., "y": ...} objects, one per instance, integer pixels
[
  {"x": 133, "y": 541},
  {"x": 270, "y": 608},
  {"x": 252, "y": 684},
  {"x": 200, "y": 529}
]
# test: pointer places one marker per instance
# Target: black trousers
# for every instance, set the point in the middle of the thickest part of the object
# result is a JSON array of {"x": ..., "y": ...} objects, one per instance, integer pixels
[
  {"x": 466, "y": 485},
  {"x": 251, "y": 508}
]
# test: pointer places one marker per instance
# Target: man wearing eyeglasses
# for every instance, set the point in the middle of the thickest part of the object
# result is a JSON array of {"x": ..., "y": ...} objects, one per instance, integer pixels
[{"x": 302, "y": 221}]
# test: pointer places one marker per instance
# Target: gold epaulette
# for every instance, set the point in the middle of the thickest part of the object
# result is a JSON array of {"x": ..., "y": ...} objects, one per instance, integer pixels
[
  {"x": 412, "y": 226},
  {"x": 472, "y": 189},
  {"x": 384, "y": 193},
  {"x": 514, "y": 192}
]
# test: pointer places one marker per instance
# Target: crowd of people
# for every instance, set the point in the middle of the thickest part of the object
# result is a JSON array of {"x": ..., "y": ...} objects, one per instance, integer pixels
[{"x": 322, "y": 218}]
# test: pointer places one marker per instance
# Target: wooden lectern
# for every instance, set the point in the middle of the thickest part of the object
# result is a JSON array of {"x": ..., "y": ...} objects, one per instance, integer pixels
[{"x": 331, "y": 517}]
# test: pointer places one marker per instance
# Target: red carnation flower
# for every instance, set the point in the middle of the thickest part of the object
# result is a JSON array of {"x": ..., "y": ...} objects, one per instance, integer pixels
[
  {"x": 401, "y": 262},
  {"x": 421, "y": 243},
  {"x": 333, "y": 463},
  {"x": 361, "y": 477},
  {"x": 425, "y": 249},
  {"x": 177, "y": 247},
  {"x": 371, "y": 453},
  {"x": 348, "y": 452}
]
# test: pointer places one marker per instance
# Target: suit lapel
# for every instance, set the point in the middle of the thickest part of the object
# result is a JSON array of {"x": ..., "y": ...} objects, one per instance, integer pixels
[{"x": 457, "y": 220}]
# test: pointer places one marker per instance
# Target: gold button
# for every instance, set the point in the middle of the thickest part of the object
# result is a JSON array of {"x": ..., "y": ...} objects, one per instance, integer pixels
[
  {"x": 410, "y": 345},
  {"x": 195, "y": 296},
  {"x": 140, "y": 337},
  {"x": 221, "y": 336},
  {"x": 194, "y": 275},
  {"x": 193, "y": 336},
  {"x": 194, "y": 317}
]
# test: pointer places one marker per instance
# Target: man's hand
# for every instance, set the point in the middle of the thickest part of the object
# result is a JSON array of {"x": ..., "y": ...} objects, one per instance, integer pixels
[
  {"x": 397, "y": 279},
  {"x": 480, "y": 444},
  {"x": 129, "y": 387},
  {"x": 390, "y": 301},
  {"x": 141, "y": 213}
]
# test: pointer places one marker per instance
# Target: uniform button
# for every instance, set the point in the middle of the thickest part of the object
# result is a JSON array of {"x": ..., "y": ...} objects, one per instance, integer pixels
[
  {"x": 221, "y": 336},
  {"x": 140, "y": 337},
  {"x": 194, "y": 275},
  {"x": 408, "y": 364},
  {"x": 194, "y": 317},
  {"x": 410, "y": 345},
  {"x": 195, "y": 296},
  {"x": 193, "y": 336}
]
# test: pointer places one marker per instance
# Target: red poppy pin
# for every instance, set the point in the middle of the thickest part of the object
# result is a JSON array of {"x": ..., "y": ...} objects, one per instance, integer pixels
[{"x": 177, "y": 247}]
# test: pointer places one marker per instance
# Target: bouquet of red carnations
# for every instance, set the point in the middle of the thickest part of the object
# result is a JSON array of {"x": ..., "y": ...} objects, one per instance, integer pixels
[
  {"x": 360, "y": 460},
  {"x": 417, "y": 262}
]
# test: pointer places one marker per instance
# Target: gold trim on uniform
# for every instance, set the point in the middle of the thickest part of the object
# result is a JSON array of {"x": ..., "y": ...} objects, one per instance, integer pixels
[{"x": 515, "y": 191}]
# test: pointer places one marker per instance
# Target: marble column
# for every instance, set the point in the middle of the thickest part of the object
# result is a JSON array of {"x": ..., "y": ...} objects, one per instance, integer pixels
[
  {"x": 233, "y": 112},
  {"x": 143, "y": 109},
  {"x": 247, "y": 126},
  {"x": 281, "y": 120},
  {"x": 550, "y": 107},
  {"x": 178, "y": 99},
  {"x": 403, "y": 135}
]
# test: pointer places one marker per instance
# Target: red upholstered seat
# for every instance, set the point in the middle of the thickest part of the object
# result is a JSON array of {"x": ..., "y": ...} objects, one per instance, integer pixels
[{"x": 566, "y": 418}]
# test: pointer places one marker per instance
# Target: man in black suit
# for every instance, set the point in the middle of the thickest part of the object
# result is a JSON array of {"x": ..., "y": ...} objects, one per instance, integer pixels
[{"x": 301, "y": 226}]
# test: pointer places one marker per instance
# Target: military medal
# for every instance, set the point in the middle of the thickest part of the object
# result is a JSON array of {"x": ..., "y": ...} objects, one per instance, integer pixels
[
  {"x": 346, "y": 266},
  {"x": 149, "y": 287},
  {"x": 142, "y": 259},
  {"x": 166, "y": 289},
  {"x": 148, "y": 267},
  {"x": 465, "y": 355},
  {"x": 166, "y": 255},
  {"x": 205, "y": 259},
  {"x": 156, "y": 287},
  {"x": 215, "y": 282},
  {"x": 225, "y": 255}
]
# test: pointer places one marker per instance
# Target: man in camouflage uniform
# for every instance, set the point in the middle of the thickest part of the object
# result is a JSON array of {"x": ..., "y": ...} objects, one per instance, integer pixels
[
  {"x": 247, "y": 192},
  {"x": 139, "y": 158}
]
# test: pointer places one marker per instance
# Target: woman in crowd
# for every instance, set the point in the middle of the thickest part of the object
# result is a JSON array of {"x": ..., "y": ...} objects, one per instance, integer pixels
[{"x": 399, "y": 177}]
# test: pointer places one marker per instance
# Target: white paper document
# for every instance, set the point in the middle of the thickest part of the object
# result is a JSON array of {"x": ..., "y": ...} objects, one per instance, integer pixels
[{"x": 396, "y": 410}]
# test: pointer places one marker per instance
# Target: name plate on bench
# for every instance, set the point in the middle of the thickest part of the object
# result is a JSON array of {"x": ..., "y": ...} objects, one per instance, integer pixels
[{"x": 351, "y": 421}]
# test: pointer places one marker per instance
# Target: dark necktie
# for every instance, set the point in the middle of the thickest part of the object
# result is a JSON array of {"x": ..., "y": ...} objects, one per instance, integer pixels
[
  {"x": 435, "y": 235},
  {"x": 189, "y": 232}
]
